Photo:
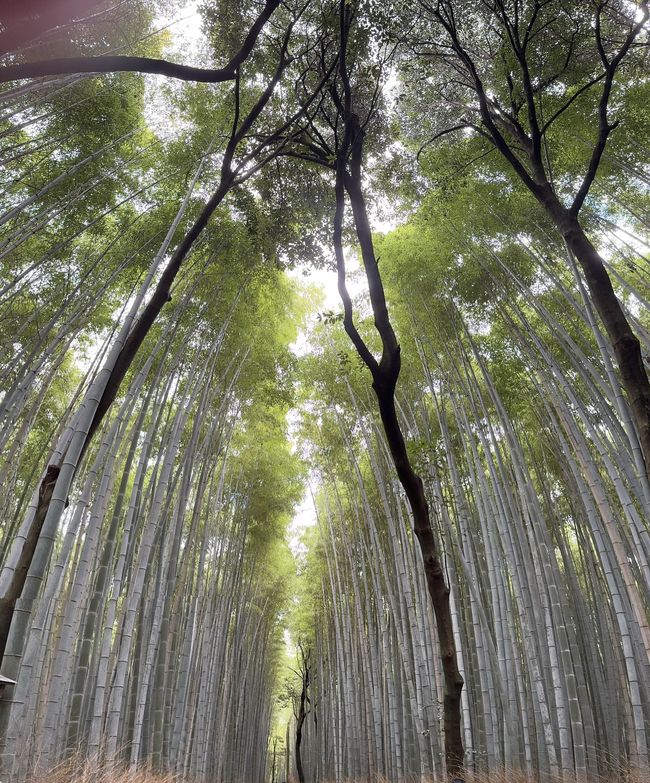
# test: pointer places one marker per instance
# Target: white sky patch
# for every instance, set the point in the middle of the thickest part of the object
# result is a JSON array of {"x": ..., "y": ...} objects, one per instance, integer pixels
[
  {"x": 181, "y": 27},
  {"x": 184, "y": 23},
  {"x": 304, "y": 515},
  {"x": 304, "y": 518},
  {"x": 326, "y": 280}
]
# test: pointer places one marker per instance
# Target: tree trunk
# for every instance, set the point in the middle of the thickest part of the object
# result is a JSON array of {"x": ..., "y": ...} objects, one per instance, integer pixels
[
  {"x": 385, "y": 374},
  {"x": 625, "y": 343},
  {"x": 438, "y": 590},
  {"x": 299, "y": 725}
]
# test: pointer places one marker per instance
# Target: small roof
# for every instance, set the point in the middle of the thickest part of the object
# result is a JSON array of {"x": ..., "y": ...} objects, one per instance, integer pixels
[{"x": 6, "y": 680}]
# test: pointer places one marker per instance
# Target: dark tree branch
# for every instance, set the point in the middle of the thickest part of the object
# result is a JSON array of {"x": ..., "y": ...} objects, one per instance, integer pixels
[
  {"x": 486, "y": 113},
  {"x": 114, "y": 64},
  {"x": 625, "y": 344},
  {"x": 587, "y": 86},
  {"x": 389, "y": 365},
  {"x": 385, "y": 374},
  {"x": 598, "y": 36},
  {"x": 440, "y": 134},
  {"x": 119, "y": 63},
  {"x": 348, "y": 313},
  {"x": 604, "y": 125},
  {"x": 519, "y": 51}
]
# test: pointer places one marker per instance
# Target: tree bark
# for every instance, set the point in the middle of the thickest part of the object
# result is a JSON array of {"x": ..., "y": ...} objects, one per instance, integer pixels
[
  {"x": 302, "y": 714},
  {"x": 625, "y": 344},
  {"x": 437, "y": 586},
  {"x": 385, "y": 374}
]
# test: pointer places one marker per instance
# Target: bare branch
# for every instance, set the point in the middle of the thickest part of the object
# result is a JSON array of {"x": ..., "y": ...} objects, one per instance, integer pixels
[
  {"x": 440, "y": 134},
  {"x": 604, "y": 125},
  {"x": 114, "y": 64},
  {"x": 119, "y": 63},
  {"x": 570, "y": 101}
]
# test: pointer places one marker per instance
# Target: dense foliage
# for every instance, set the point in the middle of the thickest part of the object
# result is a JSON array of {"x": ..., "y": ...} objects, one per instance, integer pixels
[{"x": 213, "y": 558}]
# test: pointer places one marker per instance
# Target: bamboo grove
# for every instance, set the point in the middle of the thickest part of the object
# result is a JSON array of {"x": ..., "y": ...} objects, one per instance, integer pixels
[
  {"x": 532, "y": 534},
  {"x": 471, "y": 430}
]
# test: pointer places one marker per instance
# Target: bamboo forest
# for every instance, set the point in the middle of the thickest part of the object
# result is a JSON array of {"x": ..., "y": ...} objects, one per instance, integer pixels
[{"x": 324, "y": 391}]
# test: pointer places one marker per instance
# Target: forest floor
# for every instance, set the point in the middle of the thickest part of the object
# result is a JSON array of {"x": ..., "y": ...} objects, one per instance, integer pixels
[{"x": 75, "y": 772}]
